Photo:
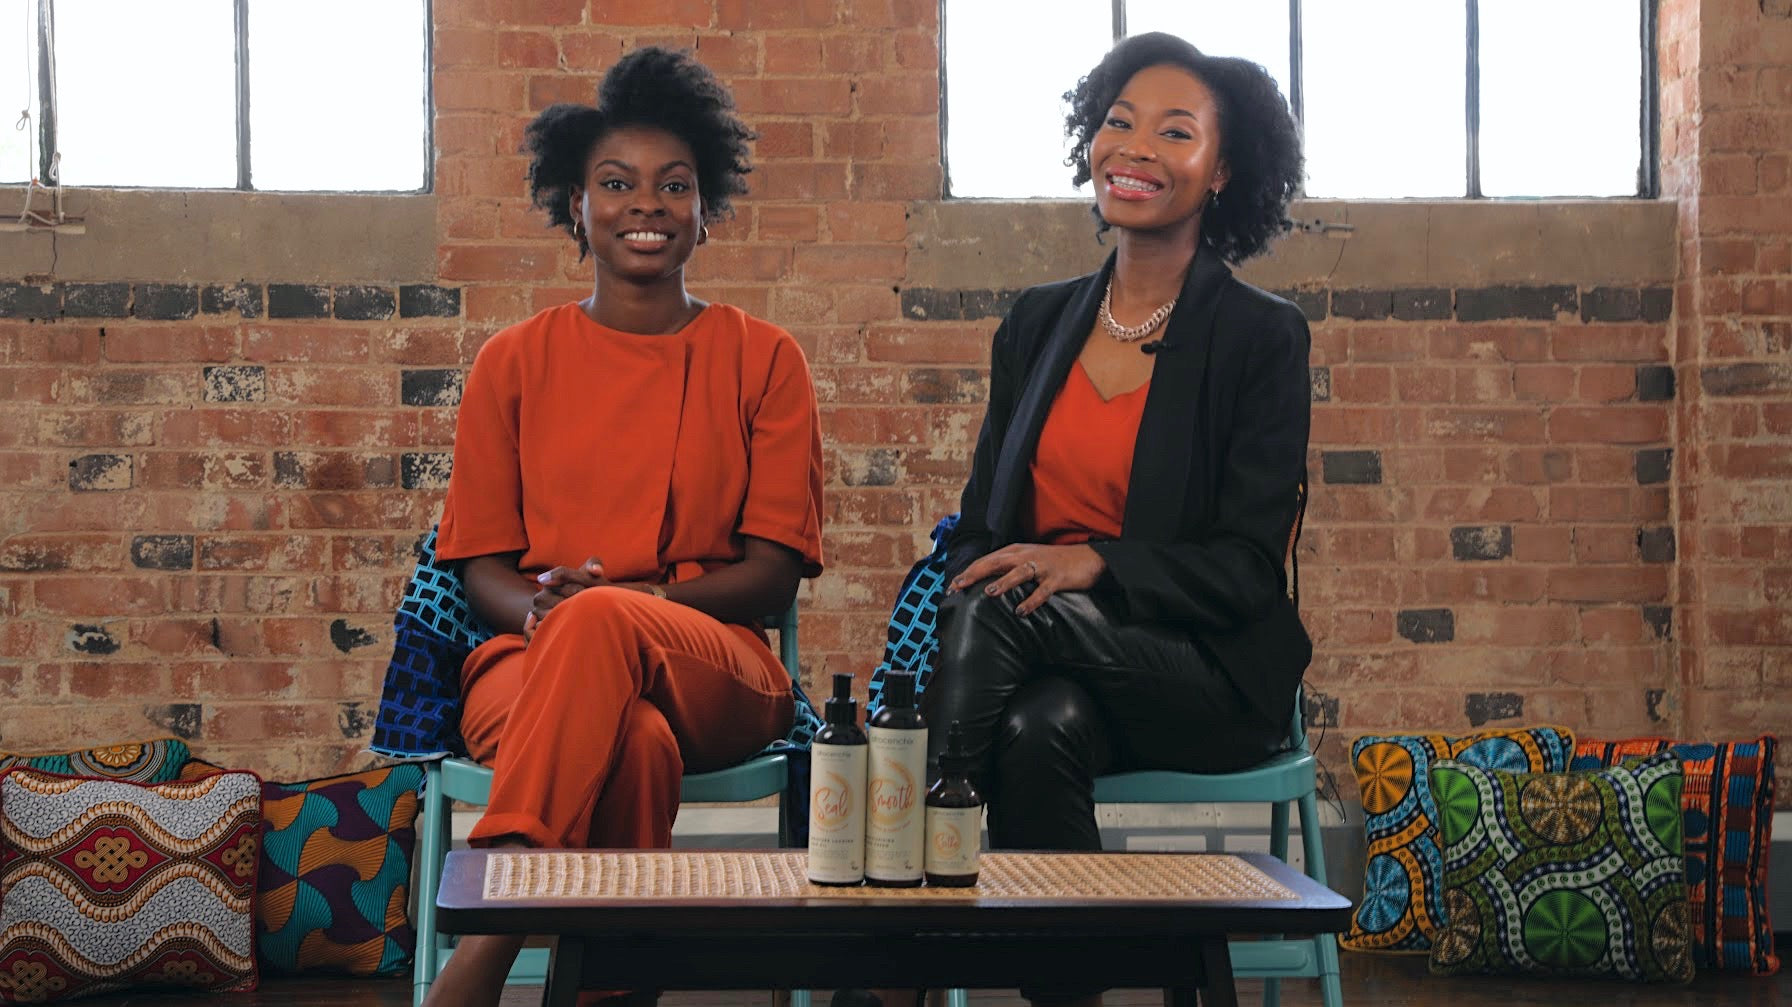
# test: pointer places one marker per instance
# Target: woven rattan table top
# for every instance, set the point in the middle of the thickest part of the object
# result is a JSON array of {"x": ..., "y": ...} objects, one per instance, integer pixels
[{"x": 670, "y": 876}]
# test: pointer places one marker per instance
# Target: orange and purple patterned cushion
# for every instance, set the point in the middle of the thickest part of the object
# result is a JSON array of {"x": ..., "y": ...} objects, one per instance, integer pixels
[
  {"x": 1728, "y": 807},
  {"x": 336, "y": 873},
  {"x": 107, "y": 884}
]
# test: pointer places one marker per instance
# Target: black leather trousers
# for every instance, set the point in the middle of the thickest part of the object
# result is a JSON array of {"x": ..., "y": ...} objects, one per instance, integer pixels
[{"x": 1050, "y": 701}]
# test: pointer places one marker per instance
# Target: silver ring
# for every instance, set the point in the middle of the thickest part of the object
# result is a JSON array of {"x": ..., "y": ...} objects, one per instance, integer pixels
[{"x": 1034, "y": 567}]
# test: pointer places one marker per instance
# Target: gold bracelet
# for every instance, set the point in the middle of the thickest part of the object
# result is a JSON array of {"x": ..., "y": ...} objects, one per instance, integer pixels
[{"x": 656, "y": 590}]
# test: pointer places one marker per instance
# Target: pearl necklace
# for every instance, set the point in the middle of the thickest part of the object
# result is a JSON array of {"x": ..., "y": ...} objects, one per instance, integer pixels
[{"x": 1136, "y": 332}]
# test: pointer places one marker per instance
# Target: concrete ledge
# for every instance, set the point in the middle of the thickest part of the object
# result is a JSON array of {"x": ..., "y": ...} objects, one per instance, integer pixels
[
  {"x": 1007, "y": 244},
  {"x": 186, "y": 235}
]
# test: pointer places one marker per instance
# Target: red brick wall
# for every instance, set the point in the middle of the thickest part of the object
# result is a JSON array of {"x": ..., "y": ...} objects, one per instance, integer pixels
[
  {"x": 211, "y": 491},
  {"x": 1727, "y": 89}
]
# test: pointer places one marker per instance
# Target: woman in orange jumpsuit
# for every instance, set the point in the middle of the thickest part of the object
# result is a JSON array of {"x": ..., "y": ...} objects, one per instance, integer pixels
[{"x": 636, "y": 484}]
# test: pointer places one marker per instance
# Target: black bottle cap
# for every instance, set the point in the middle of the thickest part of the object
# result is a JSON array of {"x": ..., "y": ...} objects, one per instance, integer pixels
[
  {"x": 842, "y": 709},
  {"x": 899, "y": 690},
  {"x": 954, "y": 759}
]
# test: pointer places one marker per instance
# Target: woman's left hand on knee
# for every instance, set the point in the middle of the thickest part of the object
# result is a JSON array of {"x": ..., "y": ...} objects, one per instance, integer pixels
[{"x": 1050, "y": 568}]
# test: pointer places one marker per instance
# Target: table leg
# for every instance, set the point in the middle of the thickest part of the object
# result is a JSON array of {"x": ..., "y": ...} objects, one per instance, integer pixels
[
  {"x": 565, "y": 973},
  {"x": 1216, "y": 960}
]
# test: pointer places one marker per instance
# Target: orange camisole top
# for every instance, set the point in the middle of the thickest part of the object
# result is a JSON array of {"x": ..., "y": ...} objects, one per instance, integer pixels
[{"x": 1083, "y": 463}]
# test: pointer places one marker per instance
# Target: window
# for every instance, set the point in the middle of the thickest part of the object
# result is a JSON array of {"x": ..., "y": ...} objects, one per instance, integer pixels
[
  {"x": 1396, "y": 98},
  {"x": 217, "y": 94}
]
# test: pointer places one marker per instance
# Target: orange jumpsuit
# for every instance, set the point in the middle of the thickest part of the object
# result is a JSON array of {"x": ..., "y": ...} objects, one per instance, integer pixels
[{"x": 657, "y": 455}]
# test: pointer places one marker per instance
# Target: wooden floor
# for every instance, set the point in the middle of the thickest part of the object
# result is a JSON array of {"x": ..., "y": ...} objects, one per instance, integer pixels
[{"x": 1368, "y": 982}]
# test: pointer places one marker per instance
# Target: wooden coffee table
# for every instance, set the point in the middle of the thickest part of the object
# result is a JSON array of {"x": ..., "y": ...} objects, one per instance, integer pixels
[{"x": 702, "y": 919}]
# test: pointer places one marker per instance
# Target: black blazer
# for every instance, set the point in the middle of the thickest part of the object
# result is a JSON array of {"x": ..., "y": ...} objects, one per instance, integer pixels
[{"x": 1217, "y": 471}]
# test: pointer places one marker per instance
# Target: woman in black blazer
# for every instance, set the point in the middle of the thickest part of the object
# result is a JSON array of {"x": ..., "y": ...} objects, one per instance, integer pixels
[{"x": 1104, "y": 616}]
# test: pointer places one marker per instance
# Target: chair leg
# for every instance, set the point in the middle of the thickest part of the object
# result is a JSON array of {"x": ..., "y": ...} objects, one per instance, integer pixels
[
  {"x": 957, "y": 998},
  {"x": 432, "y": 850},
  {"x": 1325, "y": 945}
]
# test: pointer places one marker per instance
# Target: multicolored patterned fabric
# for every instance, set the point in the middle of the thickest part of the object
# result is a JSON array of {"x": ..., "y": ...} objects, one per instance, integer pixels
[
  {"x": 912, "y": 641},
  {"x": 432, "y": 634},
  {"x": 106, "y": 884},
  {"x": 1567, "y": 874},
  {"x": 155, "y": 761},
  {"x": 336, "y": 873},
  {"x": 1728, "y": 810},
  {"x": 1403, "y": 881}
]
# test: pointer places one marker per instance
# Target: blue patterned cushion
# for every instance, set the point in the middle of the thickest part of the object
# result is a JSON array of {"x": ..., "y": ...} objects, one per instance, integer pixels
[
  {"x": 1569, "y": 874},
  {"x": 912, "y": 640}
]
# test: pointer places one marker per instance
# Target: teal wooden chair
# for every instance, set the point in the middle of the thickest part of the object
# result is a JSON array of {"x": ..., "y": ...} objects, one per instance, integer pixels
[{"x": 451, "y": 780}]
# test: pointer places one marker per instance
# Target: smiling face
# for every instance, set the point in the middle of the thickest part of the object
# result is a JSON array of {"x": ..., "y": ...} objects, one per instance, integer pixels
[
  {"x": 639, "y": 207},
  {"x": 1156, "y": 159}
]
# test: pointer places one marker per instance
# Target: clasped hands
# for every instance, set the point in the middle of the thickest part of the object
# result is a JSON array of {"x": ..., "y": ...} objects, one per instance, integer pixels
[
  {"x": 561, "y": 583},
  {"x": 1050, "y": 568}
]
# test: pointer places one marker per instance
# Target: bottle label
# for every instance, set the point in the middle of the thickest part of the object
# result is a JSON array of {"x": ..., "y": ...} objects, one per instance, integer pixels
[
  {"x": 954, "y": 837},
  {"x": 895, "y": 832},
  {"x": 837, "y": 813}
]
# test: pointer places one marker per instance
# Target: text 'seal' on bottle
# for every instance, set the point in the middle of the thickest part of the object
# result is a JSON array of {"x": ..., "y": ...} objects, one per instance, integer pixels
[{"x": 837, "y": 793}]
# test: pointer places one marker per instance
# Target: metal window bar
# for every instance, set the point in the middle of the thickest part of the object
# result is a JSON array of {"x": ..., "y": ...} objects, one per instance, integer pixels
[
  {"x": 46, "y": 91},
  {"x": 1648, "y": 172},
  {"x": 243, "y": 175},
  {"x": 1472, "y": 113}
]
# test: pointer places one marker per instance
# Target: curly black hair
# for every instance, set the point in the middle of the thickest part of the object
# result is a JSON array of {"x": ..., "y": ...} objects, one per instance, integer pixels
[
  {"x": 655, "y": 87},
  {"x": 1258, "y": 138}
]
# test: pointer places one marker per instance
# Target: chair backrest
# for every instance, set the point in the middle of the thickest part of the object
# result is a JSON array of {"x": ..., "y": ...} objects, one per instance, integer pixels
[{"x": 785, "y": 623}]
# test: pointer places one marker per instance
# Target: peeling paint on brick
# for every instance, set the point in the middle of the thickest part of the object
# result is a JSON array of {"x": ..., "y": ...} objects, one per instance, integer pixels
[
  {"x": 298, "y": 300},
  {"x": 1483, "y": 707},
  {"x": 1481, "y": 542},
  {"x": 362, "y": 304},
  {"x": 243, "y": 299},
  {"x": 1426, "y": 625},
  {"x": 426, "y": 300},
  {"x": 100, "y": 473},
  {"x": 1654, "y": 466},
  {"x": 425, "y": 470},
  {"x": 162, "y": 552},
  {"x": 1350, "y": 468},
  {"x": 96, "y": 300},
  {"x": 1652, "y": 701},
  {"x": 165, "y": 301},
  {"x": 236, "y": 383},
  {"x": 28, "y": 300},
  {"x": 1318, "y": 709},
  {"x": 1423, "y": 304},
  {"x": 97, "y": 640},
  {"x": 1321, "y": 378},
  {"x": 432, "y": 387},
  {"x": 184, "y": 720},
  {"x": 348, "y": 638},
  {"x": 354, "y": 719},
  {"x": 1660, "y": 619}
]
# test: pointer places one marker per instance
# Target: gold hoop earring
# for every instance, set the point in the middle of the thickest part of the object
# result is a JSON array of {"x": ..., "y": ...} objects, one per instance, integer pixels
[{"x": 702, "y": 234}]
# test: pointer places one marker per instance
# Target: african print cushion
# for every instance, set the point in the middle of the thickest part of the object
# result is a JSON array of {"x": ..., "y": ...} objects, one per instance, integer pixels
[
  {"x": 106, "y": 884},
  {"x": 1568, "y": 874},
  {"x": 1727, "y": 808},
  {"x": 1403, "y": 881},
  {"x": 336, "y": 873},
  {"x": 155, "y": 761}
]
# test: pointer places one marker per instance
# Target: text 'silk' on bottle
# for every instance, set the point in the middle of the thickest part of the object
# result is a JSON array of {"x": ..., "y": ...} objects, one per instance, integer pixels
[
  {"x": 894, "y": 829},
  {"x": 837, "y": 793},
  {"x": 954, "y": 819}
]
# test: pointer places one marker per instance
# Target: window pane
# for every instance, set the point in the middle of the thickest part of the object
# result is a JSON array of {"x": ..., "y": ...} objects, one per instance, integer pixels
[
  {"x": 1008, "y": 63},
  {"x": 357, "y": 123},
  {"x": 1257, "y": 31},
  {"x": 1384, "y": 95},
  {"x": 146, "y": 92},
  {"x": 1561, "y": 109},
  {"x": 18, "y": 90}
]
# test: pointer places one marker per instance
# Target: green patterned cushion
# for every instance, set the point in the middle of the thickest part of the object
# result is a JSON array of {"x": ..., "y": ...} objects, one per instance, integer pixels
[
  {"x": 155, "y": 761},
  {"x": 1572, "y": 874},
  {"x": 1403, "y": 892}
]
